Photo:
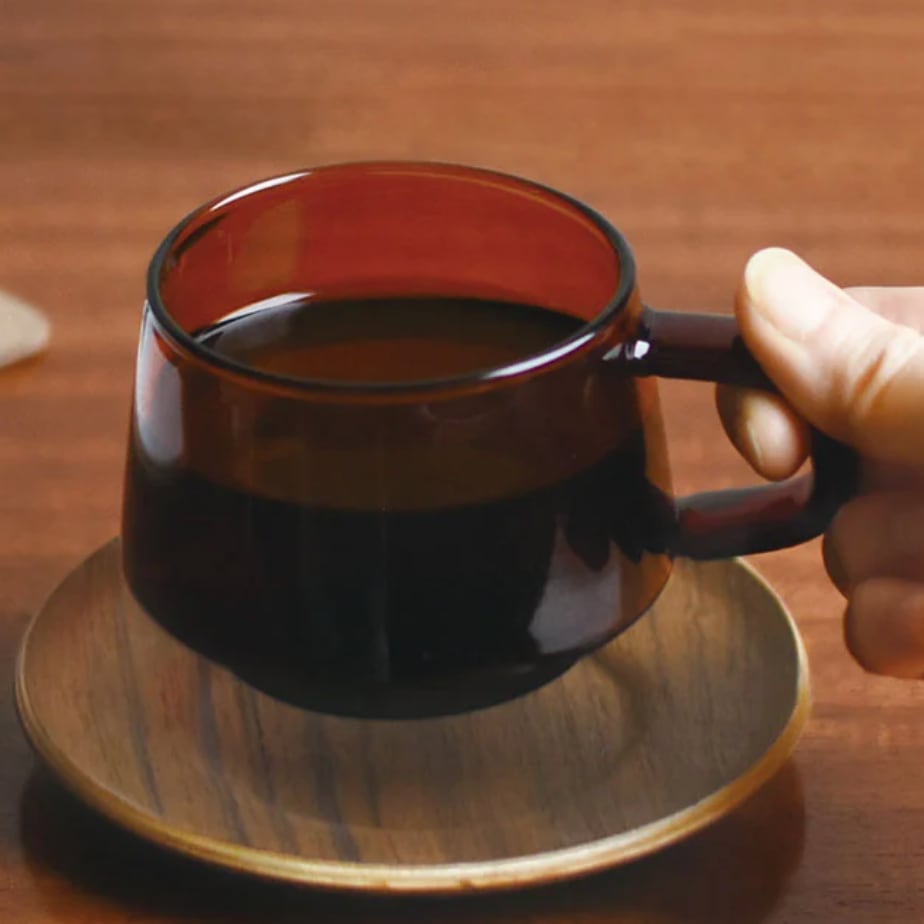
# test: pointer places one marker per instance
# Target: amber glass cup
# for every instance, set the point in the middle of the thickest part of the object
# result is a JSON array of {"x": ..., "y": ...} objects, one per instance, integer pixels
[{"x": 422, "y": 547}]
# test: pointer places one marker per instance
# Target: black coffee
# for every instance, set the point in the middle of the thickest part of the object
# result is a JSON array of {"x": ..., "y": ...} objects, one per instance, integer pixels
[
  {"x": 388, "y": 339},
  {"x": 413, "y": 560}
]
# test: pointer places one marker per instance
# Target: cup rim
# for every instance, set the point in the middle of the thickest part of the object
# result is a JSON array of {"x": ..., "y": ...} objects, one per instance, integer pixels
[{"x": 478, "y": 379}]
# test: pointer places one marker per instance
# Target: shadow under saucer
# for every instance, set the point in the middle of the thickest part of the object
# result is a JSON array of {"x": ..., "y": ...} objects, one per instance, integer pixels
[{"x": 734, "y": 872}]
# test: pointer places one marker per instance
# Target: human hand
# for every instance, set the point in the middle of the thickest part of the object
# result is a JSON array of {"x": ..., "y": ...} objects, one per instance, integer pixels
[{"x": 850, "y": 362}]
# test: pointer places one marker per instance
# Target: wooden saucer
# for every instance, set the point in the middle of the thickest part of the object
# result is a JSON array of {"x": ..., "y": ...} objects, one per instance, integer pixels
[{"x": 657, "y": 735}]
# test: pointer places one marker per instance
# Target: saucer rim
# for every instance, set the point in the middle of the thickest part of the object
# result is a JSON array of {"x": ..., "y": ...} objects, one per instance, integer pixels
[{"x": 535, "y": 869}]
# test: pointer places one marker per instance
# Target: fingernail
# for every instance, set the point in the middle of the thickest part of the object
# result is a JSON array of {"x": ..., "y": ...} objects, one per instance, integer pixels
[{"x": 787, "y": 293}]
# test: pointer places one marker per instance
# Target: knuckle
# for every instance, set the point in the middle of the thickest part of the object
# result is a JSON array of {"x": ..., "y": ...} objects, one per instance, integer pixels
[
  {"x": 845, "y": 535},
  {"x": 834, "y": 563},
  {"x": 864, "y": 381},
  {"x": 876, "y": 534}
]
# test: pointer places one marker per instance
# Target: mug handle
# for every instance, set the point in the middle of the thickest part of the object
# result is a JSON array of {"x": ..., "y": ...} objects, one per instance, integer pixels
[{"x": 722, "y": 524}]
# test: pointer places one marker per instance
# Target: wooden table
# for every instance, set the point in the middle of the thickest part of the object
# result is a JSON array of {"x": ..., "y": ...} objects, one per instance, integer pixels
[{"x": 705, "y": 130}]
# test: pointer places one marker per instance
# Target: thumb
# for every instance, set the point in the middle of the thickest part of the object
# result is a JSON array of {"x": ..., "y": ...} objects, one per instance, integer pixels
[{"x": 847, "y": 370}]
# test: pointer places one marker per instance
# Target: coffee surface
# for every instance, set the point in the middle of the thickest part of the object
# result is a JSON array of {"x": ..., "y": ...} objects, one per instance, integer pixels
[{"x": 387, "y": 339}]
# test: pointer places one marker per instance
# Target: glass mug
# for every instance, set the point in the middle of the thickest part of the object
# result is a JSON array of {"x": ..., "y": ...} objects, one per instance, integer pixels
[{"x": 449, "y": 538}]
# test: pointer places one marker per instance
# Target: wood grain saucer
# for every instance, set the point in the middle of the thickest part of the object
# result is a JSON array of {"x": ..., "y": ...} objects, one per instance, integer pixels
[{"x": 642, "y": 744}]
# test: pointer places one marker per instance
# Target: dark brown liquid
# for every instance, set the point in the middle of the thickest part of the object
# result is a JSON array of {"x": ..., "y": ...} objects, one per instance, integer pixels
[
  {"x": 408, "y": 606},
  {"x": 388, "y": 339}
]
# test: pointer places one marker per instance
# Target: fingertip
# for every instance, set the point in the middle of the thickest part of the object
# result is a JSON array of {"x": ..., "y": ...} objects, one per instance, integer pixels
[
  {"x": 763, "y": 263},
  {"x": 728, "y": 403},
  {"x": 765, "y": 288},
  {"x": 884, "y": 627},
  {"x": 765, "y": 431}
]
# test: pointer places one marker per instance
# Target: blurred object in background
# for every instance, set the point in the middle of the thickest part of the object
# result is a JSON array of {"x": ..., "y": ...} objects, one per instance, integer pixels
[{"x": 24, "y": 331}]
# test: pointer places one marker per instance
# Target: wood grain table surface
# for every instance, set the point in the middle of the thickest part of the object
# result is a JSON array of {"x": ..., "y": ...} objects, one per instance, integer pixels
[{"x": 703, "y": 129}]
